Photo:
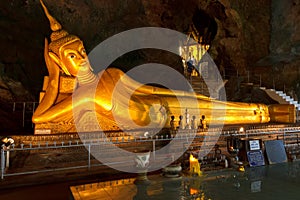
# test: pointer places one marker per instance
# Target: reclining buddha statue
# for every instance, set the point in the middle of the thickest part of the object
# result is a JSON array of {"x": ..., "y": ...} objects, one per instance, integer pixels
[{"x": 73, "y": 93}]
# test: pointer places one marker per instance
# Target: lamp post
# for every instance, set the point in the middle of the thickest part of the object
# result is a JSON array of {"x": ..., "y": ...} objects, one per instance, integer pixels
[{"x": 6, "y": 143}]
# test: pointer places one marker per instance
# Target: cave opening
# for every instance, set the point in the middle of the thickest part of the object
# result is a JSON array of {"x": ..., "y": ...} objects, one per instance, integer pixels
[
  {"x": 203, "y": 28},
  {"x": 193, "y": 51}
]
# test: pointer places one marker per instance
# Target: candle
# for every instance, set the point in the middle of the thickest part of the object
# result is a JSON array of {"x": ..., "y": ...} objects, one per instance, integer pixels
[{"x": 194, "y": 166}]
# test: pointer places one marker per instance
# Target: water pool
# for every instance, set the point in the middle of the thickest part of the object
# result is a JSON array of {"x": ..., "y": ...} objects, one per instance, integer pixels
[{"x": 279, "y": 181}]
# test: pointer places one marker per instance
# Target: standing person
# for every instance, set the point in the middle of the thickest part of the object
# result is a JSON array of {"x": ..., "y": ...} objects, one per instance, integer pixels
[
  {"x": 172, "y": 123},
  {"x": 190, "y": 68},
  {"x": 203, "y": 122},
  {"x": 190, "y": 65}
]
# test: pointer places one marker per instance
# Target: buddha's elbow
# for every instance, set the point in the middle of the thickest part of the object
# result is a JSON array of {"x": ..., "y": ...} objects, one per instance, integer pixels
[{"x": 36, "y": 119}]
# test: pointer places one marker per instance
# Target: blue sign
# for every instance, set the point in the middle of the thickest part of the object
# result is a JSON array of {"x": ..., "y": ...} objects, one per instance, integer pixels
[{"x": 255, "y": 158}]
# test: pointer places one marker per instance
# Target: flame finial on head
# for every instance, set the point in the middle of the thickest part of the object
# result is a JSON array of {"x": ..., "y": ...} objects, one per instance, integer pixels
[
  {"x": 54, "y": 24},
  {"x": 59, "y": 37}
]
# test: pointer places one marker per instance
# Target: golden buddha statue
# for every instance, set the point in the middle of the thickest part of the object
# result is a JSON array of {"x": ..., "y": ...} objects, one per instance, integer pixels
[{"x": 73, "y": 93}]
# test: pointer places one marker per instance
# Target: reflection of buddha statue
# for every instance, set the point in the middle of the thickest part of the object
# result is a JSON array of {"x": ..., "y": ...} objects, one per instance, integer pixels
[{"x": 70, "y": 72}]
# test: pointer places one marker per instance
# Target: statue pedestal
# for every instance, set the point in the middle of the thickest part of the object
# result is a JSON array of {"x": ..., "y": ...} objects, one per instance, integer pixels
[{"x": 142, "y": 179}]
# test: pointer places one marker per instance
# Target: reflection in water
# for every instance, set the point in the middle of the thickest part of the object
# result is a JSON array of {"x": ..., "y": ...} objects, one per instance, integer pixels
[{"x": 280, "y": 181}]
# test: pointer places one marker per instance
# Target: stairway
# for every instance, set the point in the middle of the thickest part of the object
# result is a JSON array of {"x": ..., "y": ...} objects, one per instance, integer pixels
[
  {"x": 208, "y": 88},
  {"x": 199, "y": 86},
  {"x": 281, "y": 97}
]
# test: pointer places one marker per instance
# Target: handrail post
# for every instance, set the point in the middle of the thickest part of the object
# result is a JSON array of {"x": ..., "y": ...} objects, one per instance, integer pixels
[
  {"x": 153, "y": 148},
  {"x": 248, "y": 76},
  {"x": 260, "y": 80},
  {"x": 284, "y": 137},
  {"x": 89, "y": 156},
  {"x": 24, "y": 107},
  {"x": 2, "y": 162}
]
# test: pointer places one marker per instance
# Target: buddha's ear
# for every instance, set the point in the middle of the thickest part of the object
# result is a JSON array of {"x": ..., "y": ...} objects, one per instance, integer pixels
[
  {"x": 58, "y": 61},
  {"x": 53, "y": 69}
]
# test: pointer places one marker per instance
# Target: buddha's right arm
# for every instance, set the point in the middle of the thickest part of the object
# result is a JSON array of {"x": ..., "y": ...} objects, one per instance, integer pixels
[
  {"x": 57, "y": 113},
  {"x": 52, "y": 88}
]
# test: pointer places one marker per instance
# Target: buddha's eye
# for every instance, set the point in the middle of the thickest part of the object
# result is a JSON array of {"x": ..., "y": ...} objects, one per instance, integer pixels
[
  {"x": 72, "y": 56},
  {"x": 83, "y": 51}
]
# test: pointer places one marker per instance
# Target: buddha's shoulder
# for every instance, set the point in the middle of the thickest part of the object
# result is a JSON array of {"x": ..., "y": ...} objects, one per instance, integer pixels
[
  {"x": 114, "y": 71},
  {"x": 111, "y": 73}
]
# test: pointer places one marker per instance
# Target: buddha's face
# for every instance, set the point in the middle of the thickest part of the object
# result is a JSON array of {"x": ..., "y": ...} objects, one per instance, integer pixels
[{"x": 74, "y": 57}]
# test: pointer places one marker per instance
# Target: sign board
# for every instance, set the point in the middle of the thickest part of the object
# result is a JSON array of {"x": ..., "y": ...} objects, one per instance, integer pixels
[
  {"x": 255, "y": 158},
  {"x": 254, "y": 145},
  {"x": 275, "y": 151},
  {"x": 42, "y": 131}
]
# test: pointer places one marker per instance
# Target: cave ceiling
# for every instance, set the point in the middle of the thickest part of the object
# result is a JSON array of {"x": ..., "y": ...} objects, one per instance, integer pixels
[{"x": 242, "y": 34}]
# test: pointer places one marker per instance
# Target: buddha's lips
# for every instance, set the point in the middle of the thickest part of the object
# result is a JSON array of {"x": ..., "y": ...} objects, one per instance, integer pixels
[{"x": 83, "y": 64}]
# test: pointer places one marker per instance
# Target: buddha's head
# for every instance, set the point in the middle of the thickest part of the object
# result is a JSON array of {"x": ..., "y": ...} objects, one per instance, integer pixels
[{"x": 66, "y": 50}]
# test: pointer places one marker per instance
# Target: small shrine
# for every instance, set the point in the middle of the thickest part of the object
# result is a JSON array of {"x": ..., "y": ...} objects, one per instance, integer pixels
[{"x": 192, "y": 52}]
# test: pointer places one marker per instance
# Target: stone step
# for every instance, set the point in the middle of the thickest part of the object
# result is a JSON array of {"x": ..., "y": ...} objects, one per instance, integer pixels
[
  {"x": 288, "y": 98},
  {"x": 247, "y": 84},
  {"x": 294, "y": 102},
  {"x": 199, "y": 86},
  {"x": 277, "y": 97},
  {"x": 297, "y": 105},
  {"x": 282, "y": 95}
]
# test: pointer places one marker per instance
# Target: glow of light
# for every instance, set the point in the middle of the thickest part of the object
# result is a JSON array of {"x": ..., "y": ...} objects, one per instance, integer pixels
[
  {"x": 193, "y": 159},
  {"x": 241, "y": 129},
  {"x": 206, "y": 47},
  {"x": 193, "y": 191}
]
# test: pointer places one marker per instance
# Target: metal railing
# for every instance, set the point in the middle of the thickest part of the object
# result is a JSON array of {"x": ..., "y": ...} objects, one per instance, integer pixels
[
  {"x": 77, "y": 154},
  {"x": 24, "y": 110},
  {"x": 81, "y": 151}
]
